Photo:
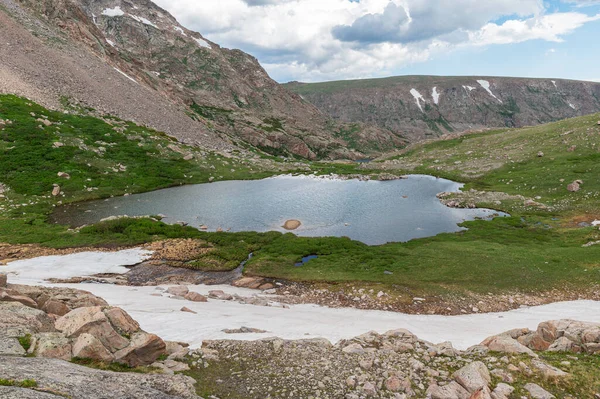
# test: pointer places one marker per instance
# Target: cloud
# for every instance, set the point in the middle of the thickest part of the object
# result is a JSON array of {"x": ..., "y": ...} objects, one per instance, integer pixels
[
  {"x": 315, "y": 40},
  {"x": 418, "y": 20}
]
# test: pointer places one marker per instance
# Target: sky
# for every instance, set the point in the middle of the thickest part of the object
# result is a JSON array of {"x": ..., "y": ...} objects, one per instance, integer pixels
[{"x": 321, "y": 40}]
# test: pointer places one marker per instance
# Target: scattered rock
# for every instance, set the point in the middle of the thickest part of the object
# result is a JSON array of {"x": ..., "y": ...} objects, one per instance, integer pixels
[
  {"x": 188, "y": 310},
  {"x": 218, "y": 294},
  {"x": 473, "y": 377},
  {"x": 244, "y": 330},
  {"x": 537, "y": 392},
  {"x": 3, "y": 280},
  {"x": 195, "y": 297},
  {"x": 178, "y": 290},
  {"x": 55, "y": 190},
  {"x": 573, "y": 187},
  {"x": 64, "y": 175}
]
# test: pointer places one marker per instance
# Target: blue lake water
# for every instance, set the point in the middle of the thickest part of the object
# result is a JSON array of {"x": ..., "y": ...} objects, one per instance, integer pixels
[{"x": 374, "y": 212}]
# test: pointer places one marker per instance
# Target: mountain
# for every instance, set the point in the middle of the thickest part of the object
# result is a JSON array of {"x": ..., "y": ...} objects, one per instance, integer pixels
[
  {"x": 420, "y": 107},
  {"x": 132, "y": 59}
]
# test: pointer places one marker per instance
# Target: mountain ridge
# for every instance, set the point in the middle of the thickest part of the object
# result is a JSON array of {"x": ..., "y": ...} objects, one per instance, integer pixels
[
  {"x": 422, "y": 107},
  {"x": 126, "y": 53}
]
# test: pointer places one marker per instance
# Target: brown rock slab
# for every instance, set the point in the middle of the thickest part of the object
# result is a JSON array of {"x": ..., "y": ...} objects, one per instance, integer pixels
[
  {"x": 8, "y": 295},
  {"x": 143, "y": 349},
  {"x": 195, "y": 297},
  {"x": 188, "y": 310},
  {"x": 55, "y": 307},
  {"x": 178, "y": 290},
  {"x": 121, "y": 321},
  {"x": 87, "y": 346},
  {"x": 91, "y": 320}
]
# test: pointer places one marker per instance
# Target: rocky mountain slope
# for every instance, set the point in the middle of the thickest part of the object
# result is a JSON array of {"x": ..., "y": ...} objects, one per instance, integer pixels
[
  {"x": 420, "y": 107},
  {"x": 132, "y": 59}
]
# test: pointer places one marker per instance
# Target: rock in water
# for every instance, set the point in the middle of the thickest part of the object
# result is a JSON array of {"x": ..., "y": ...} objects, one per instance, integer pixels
[{"x": 292, "y": 224}]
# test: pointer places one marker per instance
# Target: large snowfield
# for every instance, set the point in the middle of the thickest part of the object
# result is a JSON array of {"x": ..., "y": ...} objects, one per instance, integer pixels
[{"x": 158, "y": 313}]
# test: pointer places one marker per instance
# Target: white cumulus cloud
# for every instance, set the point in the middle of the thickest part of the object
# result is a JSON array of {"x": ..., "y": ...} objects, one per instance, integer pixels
[{"x": 314, "y": 40}]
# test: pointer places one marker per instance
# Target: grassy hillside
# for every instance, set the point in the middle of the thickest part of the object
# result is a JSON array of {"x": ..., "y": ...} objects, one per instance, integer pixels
[
  {"x": 103, "y": 158},
  {"x": 536, "y": 249},
  {"x": 536, "y": 162}
]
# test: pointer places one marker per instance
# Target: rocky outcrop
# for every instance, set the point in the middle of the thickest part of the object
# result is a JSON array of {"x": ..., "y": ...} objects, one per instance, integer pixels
[
  {"x": 393, "y": 365},
  {"x": 100, "y": 332},
  {"x": 554, "y": 336},
  {"x": 420, "y": 107},
  {"x": 74, "y": 381}
]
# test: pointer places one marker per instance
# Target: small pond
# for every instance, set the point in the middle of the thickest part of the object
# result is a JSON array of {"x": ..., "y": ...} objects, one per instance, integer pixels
[{"x": 374, "y": 212}]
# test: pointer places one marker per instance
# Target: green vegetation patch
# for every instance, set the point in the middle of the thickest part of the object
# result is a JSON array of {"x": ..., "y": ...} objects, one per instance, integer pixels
[{"x": 21, "y": 384}]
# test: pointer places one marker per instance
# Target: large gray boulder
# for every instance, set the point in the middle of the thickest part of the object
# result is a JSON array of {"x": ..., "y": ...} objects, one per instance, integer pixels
[{"x": 76, "y": 381}]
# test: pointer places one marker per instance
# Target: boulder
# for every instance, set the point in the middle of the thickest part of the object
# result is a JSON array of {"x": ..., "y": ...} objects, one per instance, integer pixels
[
  {"x": 51, "y": 345},
  {"x": 547, "y": 371},
  {"x": 506, "y": 344},
  {"x": 574, "y": 187},
  {"x": 64, "y": 175},
  {"x": 175, "y": 350},
  {"x": 292, "y": 224},
  {"x": 121, "y": 321},
  {"x": 353, "y": 348},
  {"x": 143, "y": 349},
  {"x": 195, "y": 297},
  {"x": 87, "y": 346},
  {"x": 502, "y": 391},
  {"x": 75, "y": 381},
  {"x": 453, "y": 390},
  {"x": 8, "y": 295},
  {"x": 564, "y": 344},
  {"x": 473, "y": 377},
  {"x": 55, "y": 190},
  {"x": 188, "y": 310},
  {"x": 537, "y": 392},
  {"x": 55, "y": 307},
  {"x": 218, "y": 294},
  {"x": 91, "y": 320},
  {"x": 178, "y": 290},
  {"x": 17, "y": 319},
  {"x": 10, "y": 346}
]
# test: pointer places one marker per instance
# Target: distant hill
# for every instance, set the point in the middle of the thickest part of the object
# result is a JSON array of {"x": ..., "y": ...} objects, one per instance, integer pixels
[{"x": 421, "y": 107}]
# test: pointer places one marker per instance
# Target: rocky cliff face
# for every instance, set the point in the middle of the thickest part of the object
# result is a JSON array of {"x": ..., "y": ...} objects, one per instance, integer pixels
[
  {"x": 135, "y": 54},
  {"x": 420, "y": 107}
]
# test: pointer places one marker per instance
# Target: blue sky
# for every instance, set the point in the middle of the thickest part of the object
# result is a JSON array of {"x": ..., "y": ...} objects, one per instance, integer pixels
[{"x": 317, "y": 40}]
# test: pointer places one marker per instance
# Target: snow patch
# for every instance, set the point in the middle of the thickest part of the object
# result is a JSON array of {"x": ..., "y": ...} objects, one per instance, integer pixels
[
  {"x": 111, "y": 43},
  {"x": 469, "y": 88},
  {"x": 124, "y": 74},
  {"x": 554, "y": 83},
  {"x": 161, "y": 314},
  {"x": 202, "y": 43},
  {"x": 143, "y": 20},
  {"x": 35, "y": 271},
  {"x": 572, "y": 106},
  {"x": 178, "y": 29},
  {"x": 418, "y": 98},
  {"x": 486, "y": 85},
  {"x": 113, "y": 12},
  {"x": 435, "y": 95}
]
